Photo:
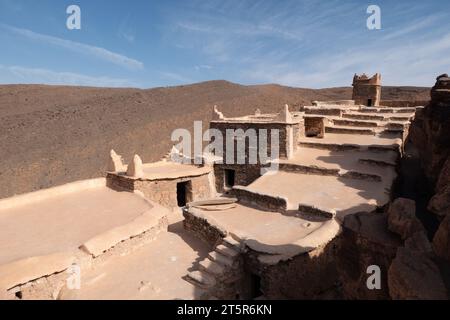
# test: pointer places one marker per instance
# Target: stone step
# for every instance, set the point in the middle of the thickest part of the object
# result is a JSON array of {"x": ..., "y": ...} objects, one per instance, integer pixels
[
  {"x": 315, "y": 211},
  {"x": 393, "y": 131},
  {"x": 231, "y": 243},
  {"x": 396, "y": 125},
  {"x": 360, "y": 176},
  {"x": 405, "y": 110},
  {"x": 382, "y": 148},
  {"x": 330, "y": 146},
  {"x": 375, "y": 110},
  {"x": 400, "y": 118},
  {"x": 221, "y": 259},
  {"x": 226, "y": 251},
  {"x": 307, "y": 169},
  {"x": 211, "y": 267},
  {"x": 349, "y": 130},
  {"x": 360, "y": 116},
  {"x": 375, "y": 162},
  {"x": 354, "y": 123},
  {"x": 200, "y": 279}
]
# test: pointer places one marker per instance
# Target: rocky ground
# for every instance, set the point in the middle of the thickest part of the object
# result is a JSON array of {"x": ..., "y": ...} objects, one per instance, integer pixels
[{"x": 50, "y": 135}]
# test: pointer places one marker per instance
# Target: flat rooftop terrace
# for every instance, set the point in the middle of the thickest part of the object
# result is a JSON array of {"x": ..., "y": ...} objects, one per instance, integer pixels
[
  {"x": 152, "y": 272},
  {"x": 329, "y": 193},
  {"x": 349, "y": 160},
  {"x": 63, "y": 221},
  {"x": 270, "y": 232}
]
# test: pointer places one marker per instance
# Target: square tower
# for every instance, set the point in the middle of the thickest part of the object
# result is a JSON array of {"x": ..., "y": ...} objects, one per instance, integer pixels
[{"x": 367, "y": 91}]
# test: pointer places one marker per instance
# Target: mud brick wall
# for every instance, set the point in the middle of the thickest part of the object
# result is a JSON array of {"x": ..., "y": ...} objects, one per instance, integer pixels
[
  {"x": 314, "y": 127},
  {"x": 202, "y": 229},
  {"x": 363, "y": 92},
  {"x": 299, "y": 131},
  {"x": 310, "y": 275},
  {"x": 325, "y": 111},
  {"x": 223, "y": 126},
  {"x": 262, "y": 201},
  {"x": 163, "y": 192},
  {"x": 244, "y": 174},
  {"x": 119, "y": 182}
]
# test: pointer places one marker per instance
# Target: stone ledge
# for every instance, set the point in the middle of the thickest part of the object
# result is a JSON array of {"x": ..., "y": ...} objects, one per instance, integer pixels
[
  {"x": 272, "y": 255},
  {"x": 316, "y": 211},
  {"x": 99, "y": 244},
  {"x": 331, "y": 146},
  {"x": 260, "y": 200},
  {"x": 26, "y": 270},
  {"x": 308, "y": 169}
]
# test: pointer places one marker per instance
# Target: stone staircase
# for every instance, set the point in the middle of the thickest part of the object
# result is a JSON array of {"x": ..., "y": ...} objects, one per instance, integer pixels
[
  {"x": 370, "y": 121},
  {"x": 360, "y": 146},
  {"x": 219, "y": 274}
]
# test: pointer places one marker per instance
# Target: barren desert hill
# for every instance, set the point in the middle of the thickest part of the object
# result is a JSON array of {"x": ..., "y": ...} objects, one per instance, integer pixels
[{"x": 50, "y": 135}]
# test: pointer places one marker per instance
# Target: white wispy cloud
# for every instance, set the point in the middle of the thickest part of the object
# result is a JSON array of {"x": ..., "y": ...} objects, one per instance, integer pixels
[
  {"x": 126, "y": 31},
  {"x": 414, "y": 26},
  {"x": 403, "y": 64},
  {"x": 127, "y": 36},
  {"x": 315, "y": 43},
  {"x": 203, "y": 66},
  {"x": 83, "y": 48},
  {"x": 25, "y": 75}
]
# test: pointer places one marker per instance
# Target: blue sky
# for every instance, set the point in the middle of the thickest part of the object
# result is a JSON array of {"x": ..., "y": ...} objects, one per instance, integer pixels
[{"x": 311, "y": 43}]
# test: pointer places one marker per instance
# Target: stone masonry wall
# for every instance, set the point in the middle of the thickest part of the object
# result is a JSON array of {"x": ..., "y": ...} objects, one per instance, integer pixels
[
  {"x": 283, "y": 152},
  {"x": 244, "y": 174},
  {"x": 361, "y": 94},
  {"x": 163, "y": 192},
  {"x": 262, "y": 201},
  {"x": 314, "y": 127},
  {"x": 202, "y": 229},
  {"x": 311, "y": 275}
]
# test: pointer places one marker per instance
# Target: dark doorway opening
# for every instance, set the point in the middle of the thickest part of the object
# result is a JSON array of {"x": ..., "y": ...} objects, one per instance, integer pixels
[
  {"x": 183, "y": 193},
  {"x": 369, "y": 102},
  {"x": 229, "y": 178},
  {"x": 255, "y": 287}
]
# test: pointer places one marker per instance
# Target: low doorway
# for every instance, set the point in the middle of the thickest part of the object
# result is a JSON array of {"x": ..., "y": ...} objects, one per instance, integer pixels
[
  {"x": 255, "y": 289},
  {"x": 229, "y": 178},
  {"x": 184, "y": 193}
]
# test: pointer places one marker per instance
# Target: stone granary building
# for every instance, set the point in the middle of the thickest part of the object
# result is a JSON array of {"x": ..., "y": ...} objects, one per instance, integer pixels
[
  {"x": 244, "y": 233},
  {"x": 367, "y": 91}
]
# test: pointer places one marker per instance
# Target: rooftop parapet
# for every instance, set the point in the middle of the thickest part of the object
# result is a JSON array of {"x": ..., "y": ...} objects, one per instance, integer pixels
[
  {"x": 283, "y": 116},
  {"x": 365, "y": 80},
  {"x": 334, "y": 103}
]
